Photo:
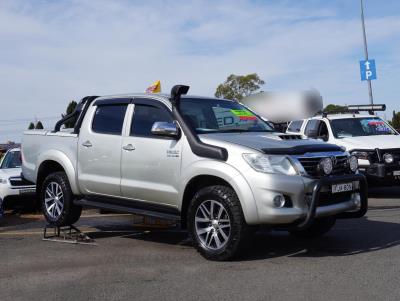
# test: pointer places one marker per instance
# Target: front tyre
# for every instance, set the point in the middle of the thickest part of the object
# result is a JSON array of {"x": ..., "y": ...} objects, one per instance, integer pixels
[
  {"x": 57, "y": 201},
  {"x": 216, "y": 223}
]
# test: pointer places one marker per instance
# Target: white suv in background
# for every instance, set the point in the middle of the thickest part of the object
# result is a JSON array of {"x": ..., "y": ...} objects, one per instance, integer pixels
[
  {"x": 12, "y": 187},
  {"x": 375, "y": 143}
]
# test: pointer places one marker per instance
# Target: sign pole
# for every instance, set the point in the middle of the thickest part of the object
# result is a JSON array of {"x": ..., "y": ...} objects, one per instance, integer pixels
[{"x": 371, "y": 97}]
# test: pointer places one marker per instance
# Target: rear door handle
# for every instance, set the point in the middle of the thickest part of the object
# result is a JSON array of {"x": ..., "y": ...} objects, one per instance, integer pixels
[
  {"x": 128, "y": 147},
  {"x": 87, "y": 144}
]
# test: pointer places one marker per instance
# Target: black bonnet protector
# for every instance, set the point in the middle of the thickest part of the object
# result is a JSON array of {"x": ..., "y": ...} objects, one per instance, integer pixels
[
  {"x": 302, "y": 149},
  {"x": 271, "y": 143}
]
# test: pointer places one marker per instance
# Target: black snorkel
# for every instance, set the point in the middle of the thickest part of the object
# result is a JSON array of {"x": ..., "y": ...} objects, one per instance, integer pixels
[{"x": 197, "y": 146}]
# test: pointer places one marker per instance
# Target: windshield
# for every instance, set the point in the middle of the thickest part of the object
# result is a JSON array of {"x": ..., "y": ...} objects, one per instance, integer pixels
[
  {"x": 220, "y": 116},
  {"x": 355, "y": 127},
  {"x": 11, "y": 160}
]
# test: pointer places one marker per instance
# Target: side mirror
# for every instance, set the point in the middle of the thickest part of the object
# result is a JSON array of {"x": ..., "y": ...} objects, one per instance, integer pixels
[{"x": 166, "y": 129}]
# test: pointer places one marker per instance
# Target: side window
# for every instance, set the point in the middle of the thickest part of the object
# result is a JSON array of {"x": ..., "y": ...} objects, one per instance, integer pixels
[
  {"x": 109, "y": 119},
  {"x": 312, "y": 128},
  {"x": 144, "y": 117},
  {"x": 323, "y": 130},
  {"x": 295, "y": 126}
]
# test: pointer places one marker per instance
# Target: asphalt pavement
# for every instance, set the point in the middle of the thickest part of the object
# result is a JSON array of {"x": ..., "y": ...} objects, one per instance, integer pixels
[{"x": 358, "y": 259}]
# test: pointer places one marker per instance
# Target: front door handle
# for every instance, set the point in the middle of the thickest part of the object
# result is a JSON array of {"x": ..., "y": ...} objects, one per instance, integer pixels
[
  {"x": 87, "y": 144},
  {"x": 128, "y": 147}
]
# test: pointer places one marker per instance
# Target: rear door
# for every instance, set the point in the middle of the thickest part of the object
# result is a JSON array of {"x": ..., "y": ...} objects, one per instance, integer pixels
[
  {"x": 150, "y": 164},
  {"x": 99, "y": 148}
]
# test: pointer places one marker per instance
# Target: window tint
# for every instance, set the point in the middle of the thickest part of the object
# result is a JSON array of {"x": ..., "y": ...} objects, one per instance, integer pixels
[
  {"x": 144, "y": 118},
  {"x": 109, "y": 119},
  {"x": 220, "y": 116},
  {"x": 312, "y": 127},
  {"x": 12, "y": 160},
  {"x": 295, "y": 126}
]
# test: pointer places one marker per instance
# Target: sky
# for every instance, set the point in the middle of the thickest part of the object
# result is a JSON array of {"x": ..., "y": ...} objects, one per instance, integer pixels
[{"x": 52, "y": 52}]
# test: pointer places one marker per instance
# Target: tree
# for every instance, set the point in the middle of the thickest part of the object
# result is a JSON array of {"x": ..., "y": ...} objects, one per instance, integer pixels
[
  {"x": 334, "y": 108},
  {"x": 70, "y": 109},
  {"x": 39, "y": 125},
  {"x": 396, "y": 120},
  {"x": 31, "y": 126},
  {"x": 236, "y": 87}
]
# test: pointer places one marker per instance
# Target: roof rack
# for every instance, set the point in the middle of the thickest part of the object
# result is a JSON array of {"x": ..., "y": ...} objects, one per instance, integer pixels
[{"x": 355, "y": 109}]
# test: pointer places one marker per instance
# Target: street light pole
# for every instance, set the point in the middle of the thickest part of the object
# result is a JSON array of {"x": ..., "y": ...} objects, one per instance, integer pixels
[{"x": 371, "y": 97}]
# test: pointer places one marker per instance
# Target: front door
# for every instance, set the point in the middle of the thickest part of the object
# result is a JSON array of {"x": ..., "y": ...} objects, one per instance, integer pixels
[
  {"x": 99, "y": 149},
  {"x": 150, "y": 165}
]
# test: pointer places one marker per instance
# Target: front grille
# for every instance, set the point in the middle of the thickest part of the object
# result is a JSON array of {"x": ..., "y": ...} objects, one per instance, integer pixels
[
  {"x": 310, "y": 165},
  {"x": 17, "y": 181}
]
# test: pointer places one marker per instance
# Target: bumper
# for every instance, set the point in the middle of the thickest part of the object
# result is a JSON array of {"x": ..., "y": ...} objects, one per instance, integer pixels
[
  {"x": 381, "y": 171},
  {"x": 308, "y": 199},
  {"x": 312, "y": 210},
  {"x": 7, "y": 191}
]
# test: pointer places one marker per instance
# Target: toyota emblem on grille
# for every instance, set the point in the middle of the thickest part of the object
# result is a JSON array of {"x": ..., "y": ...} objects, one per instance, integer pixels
[{"x": 334, "y": 160}]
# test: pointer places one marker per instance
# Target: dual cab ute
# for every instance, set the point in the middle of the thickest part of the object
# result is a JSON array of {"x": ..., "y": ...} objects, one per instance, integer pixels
[
  {"x": 372, "y": 140},
  {"x": 211, "y": 164}
]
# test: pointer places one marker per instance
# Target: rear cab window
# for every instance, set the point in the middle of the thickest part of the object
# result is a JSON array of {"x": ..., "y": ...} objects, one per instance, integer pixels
[
  {"x": 109, "y": 119},
  {"x": 145, "y": 116}
]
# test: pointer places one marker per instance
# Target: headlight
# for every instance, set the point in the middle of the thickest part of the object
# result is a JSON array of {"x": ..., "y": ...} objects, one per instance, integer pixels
[
  {"x": 388, "y": 158},
  {"x": 361, "y": 155},
  {"x": 270, "y": 164},
  {"x": 3, "y": 181},
  {"x": 353, "y": 163}
]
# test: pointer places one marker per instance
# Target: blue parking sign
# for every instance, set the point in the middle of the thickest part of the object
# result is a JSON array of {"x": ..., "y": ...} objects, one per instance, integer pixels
[{"x": 368, "y": 70}]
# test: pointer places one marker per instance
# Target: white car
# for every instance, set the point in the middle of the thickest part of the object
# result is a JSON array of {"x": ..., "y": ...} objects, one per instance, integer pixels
[
  {"x": 375, "y": 143},
  {"x": 12, "y": 186}
]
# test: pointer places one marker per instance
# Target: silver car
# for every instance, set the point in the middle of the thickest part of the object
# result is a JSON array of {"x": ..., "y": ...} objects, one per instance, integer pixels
[{"x": 211, "y": 164}]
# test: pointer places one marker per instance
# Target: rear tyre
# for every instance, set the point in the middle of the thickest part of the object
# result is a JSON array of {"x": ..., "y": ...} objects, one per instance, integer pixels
[
  {"x": 216, "y": 223},
  {"x": 56, "y": 199},
  {"x": 319, "y": 228}
]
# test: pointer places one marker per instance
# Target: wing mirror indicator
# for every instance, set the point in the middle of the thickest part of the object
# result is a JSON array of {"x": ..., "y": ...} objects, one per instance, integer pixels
[{"x": 166, "y": 129}]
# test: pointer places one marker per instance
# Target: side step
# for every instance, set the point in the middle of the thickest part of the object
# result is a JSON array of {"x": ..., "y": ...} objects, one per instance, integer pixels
[{"x": 128, "y": 209}]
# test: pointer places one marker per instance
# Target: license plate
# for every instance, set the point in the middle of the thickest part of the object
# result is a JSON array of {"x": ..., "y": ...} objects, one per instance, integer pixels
[
  {"x": 337, "y": 188},
  {"x": 396, "y": 173},
  {"x": 27, "y": 191}
]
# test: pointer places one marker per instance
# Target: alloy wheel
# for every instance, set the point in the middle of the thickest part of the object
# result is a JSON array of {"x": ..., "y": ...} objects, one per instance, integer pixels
[
  {"x": 212, "y": 224},
  {"x": 54, "y": 200}
]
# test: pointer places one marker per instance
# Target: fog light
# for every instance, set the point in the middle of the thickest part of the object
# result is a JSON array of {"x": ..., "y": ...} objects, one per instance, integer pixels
[
  {"x": 279, "y": 201},
  {"x": 388, "y": 158},
  {"x": 353, "y": 163},
  {"x": 326, "y": 165},
  {"x": 356, "y": 199}
]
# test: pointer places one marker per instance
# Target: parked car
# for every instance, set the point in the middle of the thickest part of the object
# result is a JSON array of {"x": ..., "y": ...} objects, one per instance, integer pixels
[
  {"x": 368, "y": 137},
  {"x": 209, "y": 163},
  {"x": 12, "y": 187}
]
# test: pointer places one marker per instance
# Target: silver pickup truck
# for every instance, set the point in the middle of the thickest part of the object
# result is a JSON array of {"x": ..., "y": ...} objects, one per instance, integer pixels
[{"x": 211, "y": 164}]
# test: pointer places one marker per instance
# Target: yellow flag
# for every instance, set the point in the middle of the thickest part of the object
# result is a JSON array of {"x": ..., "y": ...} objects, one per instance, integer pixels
[{"x": 154, "y": 88}]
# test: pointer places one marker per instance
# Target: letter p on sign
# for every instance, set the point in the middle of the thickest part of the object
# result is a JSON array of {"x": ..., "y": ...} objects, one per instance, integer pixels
[{"x": 368, "y": 70}]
